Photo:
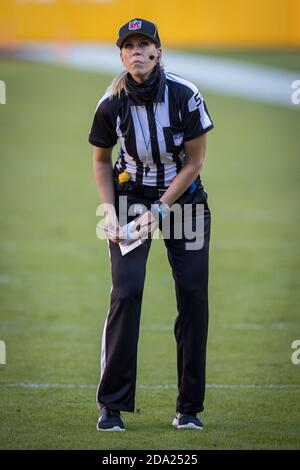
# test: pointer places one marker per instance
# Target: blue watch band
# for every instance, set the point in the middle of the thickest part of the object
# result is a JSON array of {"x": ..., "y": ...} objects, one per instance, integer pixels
[{"x": 160, "y": 209}]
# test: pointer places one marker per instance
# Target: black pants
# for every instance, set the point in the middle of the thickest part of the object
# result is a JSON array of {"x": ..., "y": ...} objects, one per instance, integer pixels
[{"x": 121, "y": 331}]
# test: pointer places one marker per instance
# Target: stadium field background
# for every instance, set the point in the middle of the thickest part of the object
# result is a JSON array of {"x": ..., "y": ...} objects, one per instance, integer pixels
[{"x": 55, "y": 277}]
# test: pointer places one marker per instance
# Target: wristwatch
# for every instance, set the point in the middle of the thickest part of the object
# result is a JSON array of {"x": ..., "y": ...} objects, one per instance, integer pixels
[{"x": 160, "y": 209}]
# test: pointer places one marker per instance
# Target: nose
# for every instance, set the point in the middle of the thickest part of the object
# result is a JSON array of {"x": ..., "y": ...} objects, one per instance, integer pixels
[{"x": 136, "y": 50}]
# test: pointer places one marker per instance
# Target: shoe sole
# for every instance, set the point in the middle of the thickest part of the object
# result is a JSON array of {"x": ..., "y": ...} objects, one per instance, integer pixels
[
  {"x": 189, "y": 426},
  {"x": 185, "y": 426},
  {"x": 114, "y": 429}
]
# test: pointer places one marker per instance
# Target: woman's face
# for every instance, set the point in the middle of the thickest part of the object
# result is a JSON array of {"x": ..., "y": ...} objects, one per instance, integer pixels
[{"x": 135, "y": 53}]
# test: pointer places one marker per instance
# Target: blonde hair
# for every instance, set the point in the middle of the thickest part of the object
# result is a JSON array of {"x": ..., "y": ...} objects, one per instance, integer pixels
[{"x": 119, "y": 84}]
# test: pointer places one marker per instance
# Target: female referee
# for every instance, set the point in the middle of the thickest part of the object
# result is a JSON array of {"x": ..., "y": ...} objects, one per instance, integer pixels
[{"x": 161, "y": 122}]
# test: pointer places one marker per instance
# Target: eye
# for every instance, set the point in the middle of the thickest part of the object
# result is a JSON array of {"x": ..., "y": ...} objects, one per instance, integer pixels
[
  {"x": 127, "y": 45},
  {"x": 144, "y": 43}
]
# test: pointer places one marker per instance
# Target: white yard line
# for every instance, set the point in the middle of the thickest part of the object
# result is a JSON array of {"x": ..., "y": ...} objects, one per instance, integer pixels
[
  {"x": 224, "y": 76},
  {"x": 29, "y": 385},
  {"x": 62, "y": 328}
]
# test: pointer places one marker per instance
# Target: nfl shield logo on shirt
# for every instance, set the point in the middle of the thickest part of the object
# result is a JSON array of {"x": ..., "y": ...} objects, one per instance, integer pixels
[
  {"x": 135, "y": 24},
  {"x": 178, "y": 138}
]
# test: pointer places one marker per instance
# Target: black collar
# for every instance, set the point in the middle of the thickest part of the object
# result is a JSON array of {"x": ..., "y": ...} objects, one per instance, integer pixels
[{"x": 155, "y": 86}]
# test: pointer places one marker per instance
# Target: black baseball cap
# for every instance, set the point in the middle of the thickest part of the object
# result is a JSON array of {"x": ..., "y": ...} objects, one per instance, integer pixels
[{"x": 138, "y": 26}]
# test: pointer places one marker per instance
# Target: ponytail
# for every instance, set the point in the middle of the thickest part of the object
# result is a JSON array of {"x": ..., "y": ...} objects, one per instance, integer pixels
[{"x": 117, "y": 85}]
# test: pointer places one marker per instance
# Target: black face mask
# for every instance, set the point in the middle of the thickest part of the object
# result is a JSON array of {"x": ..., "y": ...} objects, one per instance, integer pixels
[{"x": 146, "y": 92}]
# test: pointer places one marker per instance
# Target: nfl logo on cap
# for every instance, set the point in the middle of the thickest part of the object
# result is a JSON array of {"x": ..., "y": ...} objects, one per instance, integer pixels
[{"x": 134, "y": 25}]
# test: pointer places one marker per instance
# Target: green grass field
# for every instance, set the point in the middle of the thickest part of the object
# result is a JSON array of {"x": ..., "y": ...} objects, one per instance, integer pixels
[{"x": 55, "y": 277}]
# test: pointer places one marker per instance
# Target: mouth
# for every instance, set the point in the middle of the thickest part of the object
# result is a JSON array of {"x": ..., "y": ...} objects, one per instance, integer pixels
[{"x": 137, "y": 62}]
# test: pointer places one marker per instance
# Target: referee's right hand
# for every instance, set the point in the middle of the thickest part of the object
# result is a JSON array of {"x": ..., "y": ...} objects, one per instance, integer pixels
[{"x": 112, "y": 229}]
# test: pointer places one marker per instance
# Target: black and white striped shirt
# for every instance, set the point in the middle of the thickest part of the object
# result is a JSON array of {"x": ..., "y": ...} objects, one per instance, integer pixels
[{"x": 178, "y": 115}]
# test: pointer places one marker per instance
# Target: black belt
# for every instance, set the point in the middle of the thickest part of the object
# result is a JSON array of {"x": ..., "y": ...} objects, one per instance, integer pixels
[
  {"x": 131, "y": 187},
  {"x": 137, "y": 189}
]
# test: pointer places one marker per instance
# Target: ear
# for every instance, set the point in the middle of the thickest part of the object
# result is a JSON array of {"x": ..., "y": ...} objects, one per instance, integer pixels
[{"x": 159, "y": 54}]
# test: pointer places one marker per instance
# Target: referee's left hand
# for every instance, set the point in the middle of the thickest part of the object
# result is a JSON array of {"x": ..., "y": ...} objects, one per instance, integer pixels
[{"x": 145, "y": 225}]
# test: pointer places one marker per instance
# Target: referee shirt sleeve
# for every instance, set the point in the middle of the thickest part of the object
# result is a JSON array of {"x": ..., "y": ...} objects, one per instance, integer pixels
[
  {"x": 103, "y": 131},
  {"x": 196, "y": 119}
]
